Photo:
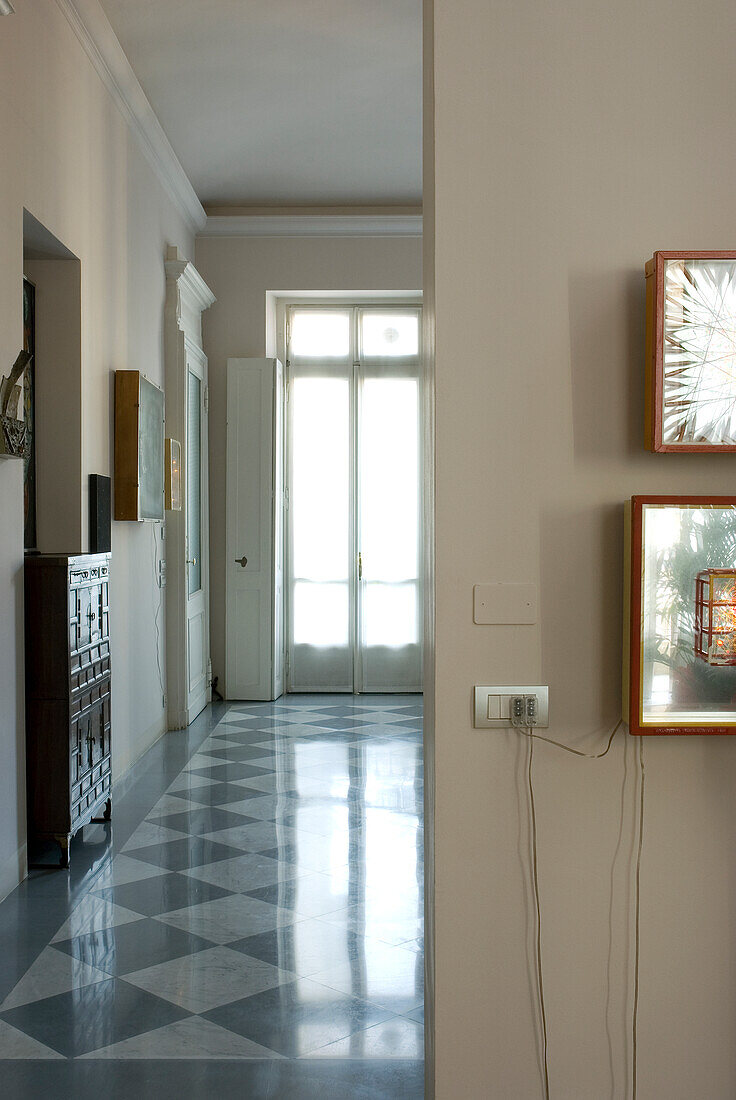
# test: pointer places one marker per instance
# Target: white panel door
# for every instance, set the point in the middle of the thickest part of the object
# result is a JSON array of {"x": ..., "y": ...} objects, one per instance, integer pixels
[
  {"x": 251, "y": 579},
  {"x": 197, "y": 528}
]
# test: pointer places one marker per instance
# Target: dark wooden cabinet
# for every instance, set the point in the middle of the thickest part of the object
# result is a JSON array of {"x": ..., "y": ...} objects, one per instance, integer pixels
[{"x": 68, "y": 750}]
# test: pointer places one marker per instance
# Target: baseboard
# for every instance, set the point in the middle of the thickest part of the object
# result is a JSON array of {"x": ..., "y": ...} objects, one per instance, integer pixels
[
  {"x": 13, "y": 871},
  {"x": 154, "y": 733}
]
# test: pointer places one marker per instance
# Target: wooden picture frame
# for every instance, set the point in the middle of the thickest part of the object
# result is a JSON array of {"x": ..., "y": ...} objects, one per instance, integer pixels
[
  {"x": 690, "y": 400},
  {"x": 669, "y": 685},
  {"x": 139, "y": 447}
]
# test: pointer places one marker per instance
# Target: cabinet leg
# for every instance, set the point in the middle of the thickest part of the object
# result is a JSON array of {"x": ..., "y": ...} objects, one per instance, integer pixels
[{"x": 63, "y": 842}]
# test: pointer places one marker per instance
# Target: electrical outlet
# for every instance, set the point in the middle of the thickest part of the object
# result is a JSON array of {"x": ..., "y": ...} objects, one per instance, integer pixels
[
  {"x": 517, "y": 710},
  {"x": 496, "y": 707}
]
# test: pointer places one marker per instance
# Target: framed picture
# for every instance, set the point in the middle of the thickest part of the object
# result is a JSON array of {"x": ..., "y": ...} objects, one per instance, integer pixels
[
  {"x": 691, "y": 351},
  {"x": 139, "y": 447},
  {"x": 680, "y": 615}
]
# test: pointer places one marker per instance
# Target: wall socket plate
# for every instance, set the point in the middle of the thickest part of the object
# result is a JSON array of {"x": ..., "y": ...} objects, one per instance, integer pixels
[{"x": 492, "y": 706}]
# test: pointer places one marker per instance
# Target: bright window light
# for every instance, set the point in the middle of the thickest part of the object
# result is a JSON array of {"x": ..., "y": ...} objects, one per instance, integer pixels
[
  {"x": 321, "y": 334},
  {"x": 389, "y": 479},
  {"x": 390, "y": 334},
  {"x": 390, "y": 614},
  {"x": 320, "y": 496},
  {"x": 321, "y": 614}
]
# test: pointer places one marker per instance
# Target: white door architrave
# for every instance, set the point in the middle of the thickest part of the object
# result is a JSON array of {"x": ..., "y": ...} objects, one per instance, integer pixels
[{"x": 188, "y": 668}]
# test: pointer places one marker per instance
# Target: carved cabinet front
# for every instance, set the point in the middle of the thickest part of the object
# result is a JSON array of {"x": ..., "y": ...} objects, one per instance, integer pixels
[{"x": 68, "y": 729}]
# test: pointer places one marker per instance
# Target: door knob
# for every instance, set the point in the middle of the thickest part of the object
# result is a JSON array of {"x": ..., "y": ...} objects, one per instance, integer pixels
[
  {"x": 191, "y": 561},
  {"x": 242, "y": 561}
]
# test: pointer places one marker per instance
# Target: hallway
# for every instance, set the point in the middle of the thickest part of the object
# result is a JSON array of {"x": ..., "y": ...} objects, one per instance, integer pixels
[{"x": 250, "y": 923}]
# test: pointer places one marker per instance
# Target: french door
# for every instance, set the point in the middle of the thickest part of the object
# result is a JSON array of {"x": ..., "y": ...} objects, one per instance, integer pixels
[{"x": 354, "y": 606}]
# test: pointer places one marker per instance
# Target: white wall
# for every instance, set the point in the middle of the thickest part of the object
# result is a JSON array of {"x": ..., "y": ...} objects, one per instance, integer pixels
[
  {"x": 69, "y": 158},
  {"x": 571, "y": 141},
  {"x": 240, "y": 271}
]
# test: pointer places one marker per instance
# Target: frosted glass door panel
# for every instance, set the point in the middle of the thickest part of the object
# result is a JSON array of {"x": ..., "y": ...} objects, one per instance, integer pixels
[
  {"x": 194, "y": 483},
  {"x": 320, "y": 521},
  {"x": 389, "y": 526}
]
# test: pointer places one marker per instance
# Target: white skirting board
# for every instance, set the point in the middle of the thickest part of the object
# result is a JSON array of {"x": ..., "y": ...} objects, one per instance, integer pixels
[{"x": 13, "y": 871}]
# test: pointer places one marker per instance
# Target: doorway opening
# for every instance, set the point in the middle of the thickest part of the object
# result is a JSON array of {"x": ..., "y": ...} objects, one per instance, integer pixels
[{"x": 353, "y": 606}]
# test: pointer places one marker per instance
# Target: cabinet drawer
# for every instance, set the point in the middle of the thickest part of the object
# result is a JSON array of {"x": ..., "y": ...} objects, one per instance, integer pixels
[{"x": 89, "y": 677}]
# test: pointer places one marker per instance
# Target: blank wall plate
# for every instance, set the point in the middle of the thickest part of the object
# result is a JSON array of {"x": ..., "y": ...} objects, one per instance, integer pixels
[
  {"x": 492, "y": 706},
  {"x": 504, "y": 604}
]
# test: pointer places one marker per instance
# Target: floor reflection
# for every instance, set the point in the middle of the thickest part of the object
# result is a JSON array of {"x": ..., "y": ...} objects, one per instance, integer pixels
[{"x": 268, "y": 904}]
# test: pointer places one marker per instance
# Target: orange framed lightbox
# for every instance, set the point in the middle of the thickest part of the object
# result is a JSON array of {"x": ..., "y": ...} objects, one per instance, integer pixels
[
  {"x": 690, "y": 398},
  {"x": 680, "y": 615}
]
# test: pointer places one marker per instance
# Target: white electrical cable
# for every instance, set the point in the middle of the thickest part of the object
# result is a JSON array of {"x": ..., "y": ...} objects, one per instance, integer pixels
[
  {"x": 637, "y": 934},
  {"x": 535, "y": 885},
  {"x": 537, "y": 903},
  {"x": 156, "y": 615},
  {"x": 609, "y": 960}
]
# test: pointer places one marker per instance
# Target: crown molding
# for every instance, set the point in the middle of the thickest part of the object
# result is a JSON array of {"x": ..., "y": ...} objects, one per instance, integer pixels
[
  {"x": 313, "y": 225},
  {"x": 100, "y": 43}
]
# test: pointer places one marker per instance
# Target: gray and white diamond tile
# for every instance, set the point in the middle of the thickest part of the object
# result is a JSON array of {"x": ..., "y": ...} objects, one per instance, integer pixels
[
  {"x": 208, "y": 979},
  {"x": 272, "y": 893},
  {"x": 191, "y": 1038},
  {"x": 225, "y": 920}
]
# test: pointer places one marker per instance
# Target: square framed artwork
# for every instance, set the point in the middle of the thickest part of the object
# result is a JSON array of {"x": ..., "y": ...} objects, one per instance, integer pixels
[
  {"x": 680, "y": 615},
  {"x": 691, "y": 351}
]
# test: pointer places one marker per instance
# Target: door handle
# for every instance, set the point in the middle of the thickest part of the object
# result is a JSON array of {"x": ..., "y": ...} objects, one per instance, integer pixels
[
  {"x": 242, "y": 561},
  {"x": 191, "y": 561}
]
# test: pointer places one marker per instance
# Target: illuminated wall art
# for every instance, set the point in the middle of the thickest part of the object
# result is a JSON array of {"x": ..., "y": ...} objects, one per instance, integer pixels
[
  {"x": 680, "y": 633},
  {"x": 691, "y": 351}
]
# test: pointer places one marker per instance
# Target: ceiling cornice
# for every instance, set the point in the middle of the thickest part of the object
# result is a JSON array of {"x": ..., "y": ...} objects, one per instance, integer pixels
[
  {"x": 313, "y": 225},
  {"x": 100, "y": 43}
]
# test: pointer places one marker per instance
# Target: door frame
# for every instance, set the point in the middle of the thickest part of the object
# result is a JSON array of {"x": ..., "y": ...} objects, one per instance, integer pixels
[
  {"x": 187, "y": 296},
  {"x": 280, "y": 305}
]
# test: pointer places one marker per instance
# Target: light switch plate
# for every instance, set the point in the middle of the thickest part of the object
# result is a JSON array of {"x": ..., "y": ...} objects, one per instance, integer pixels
[
  {"x": 504, "y": 604},
  {"x": 492, "y": 706}
]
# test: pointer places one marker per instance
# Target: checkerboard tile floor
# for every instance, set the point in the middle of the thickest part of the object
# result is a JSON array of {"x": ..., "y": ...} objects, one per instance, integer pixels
[{"x": 268, "y": 907}]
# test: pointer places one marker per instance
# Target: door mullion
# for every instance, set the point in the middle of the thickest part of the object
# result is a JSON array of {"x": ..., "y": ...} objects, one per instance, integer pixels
[{"x": 355, "y": 586}]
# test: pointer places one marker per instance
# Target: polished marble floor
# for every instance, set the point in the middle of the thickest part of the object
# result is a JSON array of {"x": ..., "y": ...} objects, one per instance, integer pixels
[{"x": 249, "y": 924}]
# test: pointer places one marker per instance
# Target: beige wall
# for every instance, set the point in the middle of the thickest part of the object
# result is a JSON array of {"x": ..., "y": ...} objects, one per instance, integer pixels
[
  {"x": 571, "y": 141},
  {"x": 240, "y": 271},
  {"x": 69, "y": 158}
]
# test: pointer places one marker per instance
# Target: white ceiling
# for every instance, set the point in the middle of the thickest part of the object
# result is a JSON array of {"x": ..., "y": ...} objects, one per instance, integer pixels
[{"x": 284, "y": 102}]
